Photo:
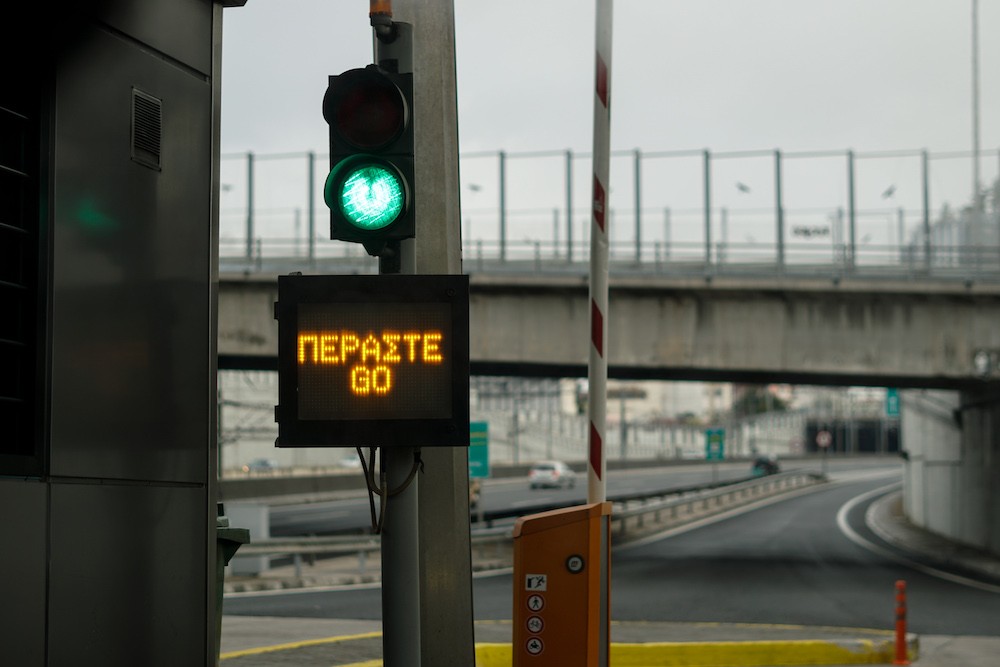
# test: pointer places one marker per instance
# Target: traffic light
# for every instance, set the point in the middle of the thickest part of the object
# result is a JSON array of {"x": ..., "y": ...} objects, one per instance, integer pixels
[{"x": 369, "y": 189}]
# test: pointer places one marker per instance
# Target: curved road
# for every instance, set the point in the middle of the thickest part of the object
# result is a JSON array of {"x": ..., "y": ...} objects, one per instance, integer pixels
[{"x": 787, "y": 561}]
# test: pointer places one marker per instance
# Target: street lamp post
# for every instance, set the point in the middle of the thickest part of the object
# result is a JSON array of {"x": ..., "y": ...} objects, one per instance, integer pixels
[{"x": 976, "y": 184}]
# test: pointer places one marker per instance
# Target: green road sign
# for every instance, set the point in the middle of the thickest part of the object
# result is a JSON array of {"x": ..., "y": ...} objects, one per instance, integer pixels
[
  {"x": 891, "y": 402},
  {"x": 715, "y": 444},
  {"x": 479, "y": 450}
]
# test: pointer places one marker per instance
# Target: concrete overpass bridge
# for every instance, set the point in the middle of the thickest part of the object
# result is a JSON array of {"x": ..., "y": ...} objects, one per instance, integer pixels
[
  {"x": 808, "y": 324},
  {"x": 929, "y": 327}
]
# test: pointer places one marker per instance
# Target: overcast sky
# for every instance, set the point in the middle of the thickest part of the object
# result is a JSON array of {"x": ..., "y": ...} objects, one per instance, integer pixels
[{"x": 727, "y": 75}]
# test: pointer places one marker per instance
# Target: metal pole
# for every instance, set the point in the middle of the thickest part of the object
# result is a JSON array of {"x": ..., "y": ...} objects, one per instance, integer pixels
[
  {"x": 779, "y": 211},
  {"x": 400, "y": 563},
  {"x": 666, "y": 232},
  {"x": 502, "y": 157},
  {"x": 312, "y": 206},
  {"x": 401, "y": 583},
  {"x": 402, "y": 621},
  {"x": 901, "y": 232},
  {"x": 569, "y": 207},
  {"x": 925, "y": 177},
  {"x": 724, "y": 232},
  {"x": 249, "y": 206},
  {"x": 297, "y": 225},
  {"x": 622, "y": 428},
  {"x": 637, "y": 171},
  {"x": 851, "y": 211},
  {"x": 838, "y": 235},
  {"x": 555, "y": 232},
  {"x": 516, "y": 431},
  {"x": 707, "y": 165},
  {"x": 218, "y": 432},
  {"x": 977, "y": 203},
  {"x": 444, "y": 549},
  {"x": 883, "y": 436}
]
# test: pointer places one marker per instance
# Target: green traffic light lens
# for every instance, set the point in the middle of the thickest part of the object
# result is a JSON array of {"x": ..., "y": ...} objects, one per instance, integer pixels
[{"x": 371, "y": 196}]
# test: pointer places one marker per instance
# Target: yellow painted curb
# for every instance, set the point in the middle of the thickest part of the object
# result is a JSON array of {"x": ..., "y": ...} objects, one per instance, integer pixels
[
  {"x": 731, "y": 654},
  {"x": 294, "y": 645},
  {"x": 678, "y": 654}
]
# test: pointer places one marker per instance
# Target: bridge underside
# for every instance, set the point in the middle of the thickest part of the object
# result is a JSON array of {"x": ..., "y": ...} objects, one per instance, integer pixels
[{"x": 905, "y": 334}]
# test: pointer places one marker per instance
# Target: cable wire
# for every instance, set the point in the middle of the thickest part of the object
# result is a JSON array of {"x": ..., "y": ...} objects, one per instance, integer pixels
[{"x": 380, "y": 488}]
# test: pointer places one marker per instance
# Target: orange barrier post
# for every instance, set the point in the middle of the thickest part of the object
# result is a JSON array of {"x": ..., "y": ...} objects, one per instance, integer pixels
[
  {"x": 901, "y": 656},
  {"x": 561, "y": 596}
]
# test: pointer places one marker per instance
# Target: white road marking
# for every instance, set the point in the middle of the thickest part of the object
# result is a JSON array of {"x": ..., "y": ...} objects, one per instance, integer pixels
[{"x": 853, "y": 536}]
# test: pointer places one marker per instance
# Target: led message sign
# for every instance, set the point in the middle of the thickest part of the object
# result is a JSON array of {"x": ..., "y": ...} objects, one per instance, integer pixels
[{"x": 373, "y": 361}]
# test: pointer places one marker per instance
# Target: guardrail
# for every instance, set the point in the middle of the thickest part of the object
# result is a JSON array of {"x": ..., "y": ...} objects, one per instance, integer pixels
[
  {"x": 635, "y": 515},
  {"x": 622, "y": 499},
  {"x": 763, "y": 232},
  {"x": 629, "y": 524}
]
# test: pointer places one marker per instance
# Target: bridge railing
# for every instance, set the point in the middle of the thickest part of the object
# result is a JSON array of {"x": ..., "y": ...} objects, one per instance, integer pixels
[
  {"x": 981, "y": 263},
  {"x": 691, "y": 212}
]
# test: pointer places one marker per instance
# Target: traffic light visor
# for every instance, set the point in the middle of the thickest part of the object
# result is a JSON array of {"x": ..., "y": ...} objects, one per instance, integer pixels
[
  {"x": 370, "y": 195},
  {"x": 365, "y": 108}
]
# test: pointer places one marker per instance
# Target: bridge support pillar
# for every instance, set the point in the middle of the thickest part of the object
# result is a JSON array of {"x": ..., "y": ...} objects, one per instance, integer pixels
[{"x": 952, "y": 440}]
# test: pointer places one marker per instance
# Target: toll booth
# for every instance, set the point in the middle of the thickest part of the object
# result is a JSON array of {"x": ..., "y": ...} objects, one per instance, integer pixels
[
  {"x": 109, "y": 231},
  {"x": 561, "y": 587}
]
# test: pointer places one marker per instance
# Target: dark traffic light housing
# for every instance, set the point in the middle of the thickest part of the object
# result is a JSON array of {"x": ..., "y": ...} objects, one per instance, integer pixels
[{"x": 369, "y": 189}]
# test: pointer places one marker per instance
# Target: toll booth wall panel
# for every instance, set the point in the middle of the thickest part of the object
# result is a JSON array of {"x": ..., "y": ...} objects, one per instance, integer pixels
[
  {"x": 130, "y": 378},
  {"x": 126, "y": 578},
  {"x": 130, "y": 523},
  {"x": 180, "y": 28},
  {"x": 23, "y": 508}
]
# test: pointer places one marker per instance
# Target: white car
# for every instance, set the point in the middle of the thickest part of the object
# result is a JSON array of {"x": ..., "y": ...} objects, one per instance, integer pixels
[{"x": 551, "y": 474}]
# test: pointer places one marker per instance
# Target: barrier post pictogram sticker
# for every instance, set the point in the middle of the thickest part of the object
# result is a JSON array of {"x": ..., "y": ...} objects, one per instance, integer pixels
[{"x": 536, "y": 582}]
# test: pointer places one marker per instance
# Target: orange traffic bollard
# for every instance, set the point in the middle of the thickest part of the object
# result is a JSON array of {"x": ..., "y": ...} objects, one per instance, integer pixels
[{"x": 901, "y": 656}]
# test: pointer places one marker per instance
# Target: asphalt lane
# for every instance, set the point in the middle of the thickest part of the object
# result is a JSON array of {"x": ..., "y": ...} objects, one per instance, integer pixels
[
  {"x": 823, "y": 562},
  {"x": 787, "y": 562}
]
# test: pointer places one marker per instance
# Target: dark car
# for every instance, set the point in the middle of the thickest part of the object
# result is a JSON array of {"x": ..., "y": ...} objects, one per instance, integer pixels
[
  {"x": 765, "y": 465},
  {"x": 261, "y": 465}
]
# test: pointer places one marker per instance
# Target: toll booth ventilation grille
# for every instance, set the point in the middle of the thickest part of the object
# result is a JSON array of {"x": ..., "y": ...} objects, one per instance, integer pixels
[
  {"x": 147, "y": 128},
  {"x": 19, "y": 279}
]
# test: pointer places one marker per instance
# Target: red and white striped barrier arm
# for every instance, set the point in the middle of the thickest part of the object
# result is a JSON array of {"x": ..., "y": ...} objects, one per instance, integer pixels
[{"x": 598, "y": 363}]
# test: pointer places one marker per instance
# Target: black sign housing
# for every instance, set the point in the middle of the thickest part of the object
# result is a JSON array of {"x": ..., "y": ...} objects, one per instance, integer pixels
[{"x": 373, "y": 361}]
